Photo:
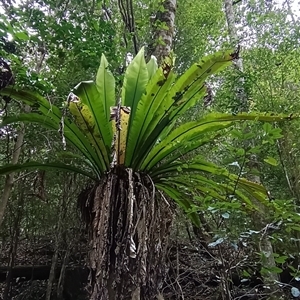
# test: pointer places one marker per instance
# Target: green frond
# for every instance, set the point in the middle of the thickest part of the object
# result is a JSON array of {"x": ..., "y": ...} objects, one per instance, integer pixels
[
  {"x": 183, "y": 200},
  {"x": 152, "y": 67},
  {"x": 135, "y": 82},
  {"x": 51, "y": 118},
  {"x": 179, "y": 97},
  {"x": 105, "y": 83},
  {"x": 146, "y": 125},
  {"x": 188, "y": 134}
]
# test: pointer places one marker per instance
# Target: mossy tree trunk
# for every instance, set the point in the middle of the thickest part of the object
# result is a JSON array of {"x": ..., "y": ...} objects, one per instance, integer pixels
[{"x": 163, "y": 36}]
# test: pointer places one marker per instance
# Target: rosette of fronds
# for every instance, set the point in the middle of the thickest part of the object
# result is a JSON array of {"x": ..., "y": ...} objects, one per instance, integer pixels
[
  {"x": 140, "y": 153},
  {"x": 138, "y": 130}
]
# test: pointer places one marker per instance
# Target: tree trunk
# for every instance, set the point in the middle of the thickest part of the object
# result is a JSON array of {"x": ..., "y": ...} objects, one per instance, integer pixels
[
  {"x": 14, "y": 241},
  {"x": 62, "y": 275},
  {"x": 58, "y": 238},
  {"x": 52, "y": 274},
  {"x": 129, "y": 223},
  {"x": 9, "y": 181},
  {"x": 265, "y": 245},
  {"x": 163, "y": 37}
]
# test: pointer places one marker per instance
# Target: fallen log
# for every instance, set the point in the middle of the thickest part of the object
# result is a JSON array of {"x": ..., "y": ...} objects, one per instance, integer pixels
[{"x": 41, "y": 272}]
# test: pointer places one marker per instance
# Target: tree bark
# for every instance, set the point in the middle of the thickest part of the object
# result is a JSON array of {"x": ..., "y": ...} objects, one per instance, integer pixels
[
  {"x": 163, "y": 37},
  {"x": 265, "y": 245}
]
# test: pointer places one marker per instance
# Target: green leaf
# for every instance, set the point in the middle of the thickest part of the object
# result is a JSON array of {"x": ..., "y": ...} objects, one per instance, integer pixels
[
  {"x": 246, "y": 274},
  {"x": 295, "y": 227},
  {"x": 185, "y": 148},
  {"x": 281, "y": 259},
  {"x": 152, "y": 67},
  {"x": 240, "y": 152},
  {"x": 237, "y": 133},
  {"x": 155, "y": 104},
  {"x": 33, "y": 99},
  {"x": 86, "y": 122},
  {"x": 71, "y": 132},
  {"x": 267, "y": 127},
  {"x": 232, "y": 184},
  {"x": 135, "y": 81},
  {"x": 105, "y": 83},
  {"x": 182, "y": 200},
  {"x": 46, "y": 122},
  {"x": 274, "y": 270},
  {"x": 89, "y": 95},
  {"x": 21, "y": 35},
  {"x": 190, "y": 87},
  {"x": 195, "y": 131},
  {"x": 182, "y": 135},
  {"x": 208, "y": 187},
  {"x": 271, "y": 161},
  {"x": 145, "y": 117}
]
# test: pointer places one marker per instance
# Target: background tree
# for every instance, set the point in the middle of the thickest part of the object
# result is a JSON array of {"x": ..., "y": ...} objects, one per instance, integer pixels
[{"x": 265, "y": 246}]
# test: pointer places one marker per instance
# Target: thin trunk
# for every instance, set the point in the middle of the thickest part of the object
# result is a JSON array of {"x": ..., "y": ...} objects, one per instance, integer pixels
[
  {"x": 52, "y": 274},
  {"x": 14, "y": 243},
  {"x": 9, "y": 181},
  {"x": 127, "y": 14},
  {"x": 265, "y": 245},
  {"x": 291, "y": 170},
  {"x": 64, "y": 236},
  {"x": 203, "y": 233},
  {"x": 58, "y": 240},
  {"x": 234, "y": 41},
  {"x": 61, "y": 280},
  {"x": 164, "y": 37}
]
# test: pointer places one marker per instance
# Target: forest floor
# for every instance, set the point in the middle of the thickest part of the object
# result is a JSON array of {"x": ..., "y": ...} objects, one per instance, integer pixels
[{"x": 195, "y": 271}]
